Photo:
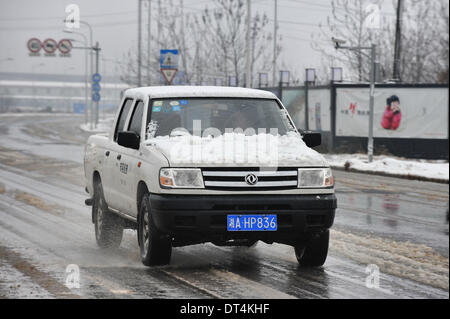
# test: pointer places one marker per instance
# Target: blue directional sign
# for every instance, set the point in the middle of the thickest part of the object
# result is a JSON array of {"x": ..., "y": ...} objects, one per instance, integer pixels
[
  {"x": 96, "y": 97},
  {"x": 79, "y": 108},
  {"x": 96, "y": 87},
  {"x": 96, "y": 77},
  {"x": 168, "y": 59}
]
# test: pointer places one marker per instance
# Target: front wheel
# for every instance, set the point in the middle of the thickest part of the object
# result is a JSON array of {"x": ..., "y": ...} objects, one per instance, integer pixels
[
  {"x": 108, "y": 226},
  {"x": 314, "y": 252},
  {"x": 155, "y": 247}
]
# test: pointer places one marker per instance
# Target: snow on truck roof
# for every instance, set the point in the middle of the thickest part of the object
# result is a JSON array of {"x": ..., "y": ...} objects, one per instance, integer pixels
[{"x": 198, "y": 91}]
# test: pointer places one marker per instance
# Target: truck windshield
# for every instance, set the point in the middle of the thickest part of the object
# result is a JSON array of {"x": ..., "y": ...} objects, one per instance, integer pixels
[{"x": 194, "y": 115}]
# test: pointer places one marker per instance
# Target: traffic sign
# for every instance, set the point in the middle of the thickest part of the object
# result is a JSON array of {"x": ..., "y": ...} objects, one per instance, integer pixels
[
  {"x": 50, "y": 46},
  {"x": 34, "y": 45},
  {"x": 96, "y": 87},
  {"x": 65, "y": 46},
  {"x": 169, "y": 74},
  {"x": 79, "y": 108},
  {"x": 168, "y": 59},
  {"x": 96, "y": 97},
  {"x": 96, "y": 77}
]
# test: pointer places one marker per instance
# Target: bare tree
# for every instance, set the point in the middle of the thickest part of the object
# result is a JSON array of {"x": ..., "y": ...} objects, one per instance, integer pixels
[
  {"x": 442, "y": 65},
  {"x": 228, "y": 25},
  {"x": 347, "y": 21},
  {"x": 261, "y": 40},
  {"x": 421, "y": 34},
  {"x": 424, "y": 56},
  {"x": 211, "y": 43}
]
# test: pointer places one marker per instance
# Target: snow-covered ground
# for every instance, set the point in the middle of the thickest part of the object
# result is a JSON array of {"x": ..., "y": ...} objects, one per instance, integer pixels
[
  {"x": 104, "y": 125},
  {"x": 431, "y": 169}
]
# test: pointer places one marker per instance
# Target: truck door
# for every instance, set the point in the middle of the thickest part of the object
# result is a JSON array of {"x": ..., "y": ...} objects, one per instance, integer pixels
[
  {"x": 112, "y": 159},
  {"x": 128, "y": 163}
]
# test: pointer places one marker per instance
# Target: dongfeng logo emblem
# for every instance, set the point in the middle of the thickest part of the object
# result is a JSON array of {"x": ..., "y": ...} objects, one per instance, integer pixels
[{"x": 251, "y": 179}]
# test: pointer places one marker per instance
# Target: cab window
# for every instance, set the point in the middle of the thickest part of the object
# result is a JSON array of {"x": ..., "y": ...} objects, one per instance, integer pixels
[
  {"x": 136, "y": 118},
  {"x": 123, "y": 117}
]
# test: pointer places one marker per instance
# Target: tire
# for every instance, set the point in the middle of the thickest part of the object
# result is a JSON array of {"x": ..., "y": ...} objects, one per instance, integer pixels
[
  {"x": 314, "y": 252},
  {"x": 155, "y": 246},
  {"x": 108, "y": 226}
]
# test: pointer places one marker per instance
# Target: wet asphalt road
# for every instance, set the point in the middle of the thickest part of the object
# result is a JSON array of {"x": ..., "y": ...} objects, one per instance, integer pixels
[{"x": 398, "y": 225}]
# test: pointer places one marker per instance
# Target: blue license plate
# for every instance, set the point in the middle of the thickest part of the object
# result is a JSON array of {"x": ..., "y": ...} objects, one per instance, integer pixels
[{"x": 252, "y": 222}]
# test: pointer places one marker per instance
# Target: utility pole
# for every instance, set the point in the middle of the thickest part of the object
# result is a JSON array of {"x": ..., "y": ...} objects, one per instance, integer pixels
[
  {"x": 249, "y": 45},
  {"x": 139, "y": 57},
  {"x": 373, "y": 51},
  {"x": 398, "y": 41},
  {"x": 159, "y": 22},
  {"x": 275, "y": 26},
  {"x": 148, "y": 42},
  {"x": 183, "y": 43},
  {"x": 159, "y": 29}
]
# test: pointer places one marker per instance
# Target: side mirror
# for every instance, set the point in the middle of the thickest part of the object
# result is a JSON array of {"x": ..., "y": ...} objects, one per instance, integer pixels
[
  {"x": 312, "y": 139},
  {"x": 128, "y": 139}
]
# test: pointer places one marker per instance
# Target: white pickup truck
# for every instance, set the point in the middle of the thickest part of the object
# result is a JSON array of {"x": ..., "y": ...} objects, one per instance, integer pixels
[{"x": 188, "y": 165}]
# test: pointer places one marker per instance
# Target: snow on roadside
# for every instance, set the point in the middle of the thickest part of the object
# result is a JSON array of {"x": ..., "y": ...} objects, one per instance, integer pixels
[
  {"x": 432, "y": 169},
  {"x": 16, "y": 285},
  {"x": 104, "y": 125},
  {"x": 416, "y": 262}
]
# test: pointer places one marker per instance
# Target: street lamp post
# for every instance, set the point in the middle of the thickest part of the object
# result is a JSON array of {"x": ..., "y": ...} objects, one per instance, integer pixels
[
  {"x": 91, "y": 46},
  {"x": 86, "y": 77},
  {"x": 339, "y": 45}
]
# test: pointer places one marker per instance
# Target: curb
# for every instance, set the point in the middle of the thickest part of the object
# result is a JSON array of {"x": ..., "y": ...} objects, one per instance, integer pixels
[{"x": 410, "y": 177}]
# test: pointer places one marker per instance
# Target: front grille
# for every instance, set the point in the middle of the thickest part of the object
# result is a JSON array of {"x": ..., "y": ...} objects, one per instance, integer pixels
[{"x": 237, "y": 178}]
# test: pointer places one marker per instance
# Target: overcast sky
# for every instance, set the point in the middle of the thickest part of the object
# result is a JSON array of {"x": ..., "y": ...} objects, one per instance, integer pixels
[{"x": 114, "y": 24}]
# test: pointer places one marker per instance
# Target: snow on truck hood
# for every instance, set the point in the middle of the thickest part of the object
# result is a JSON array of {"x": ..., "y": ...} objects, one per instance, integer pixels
[{"x": 234, "y": 149}]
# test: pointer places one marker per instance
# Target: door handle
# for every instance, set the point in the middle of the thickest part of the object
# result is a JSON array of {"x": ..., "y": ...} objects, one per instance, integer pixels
[
  {"x": 107, "y": 153},
  {"x": 119, "y": 157}
]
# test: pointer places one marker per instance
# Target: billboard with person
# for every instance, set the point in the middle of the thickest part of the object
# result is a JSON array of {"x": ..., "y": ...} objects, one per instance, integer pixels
[
  {"x": 392, "y": 115},
  {"x": 416, "y": 112}
]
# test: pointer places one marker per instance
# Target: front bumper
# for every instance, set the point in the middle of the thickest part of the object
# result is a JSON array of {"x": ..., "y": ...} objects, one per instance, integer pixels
[{"x": 193, "y": 219}]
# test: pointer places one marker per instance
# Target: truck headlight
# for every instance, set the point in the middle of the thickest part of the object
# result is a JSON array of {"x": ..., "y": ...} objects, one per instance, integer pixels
[
  {"x": 315, "y": 177},
  {"x": 181, "y": 178}
]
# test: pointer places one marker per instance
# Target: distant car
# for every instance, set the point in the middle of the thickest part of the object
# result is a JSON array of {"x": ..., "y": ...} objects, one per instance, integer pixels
[{"x": 136, "y": 182}]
